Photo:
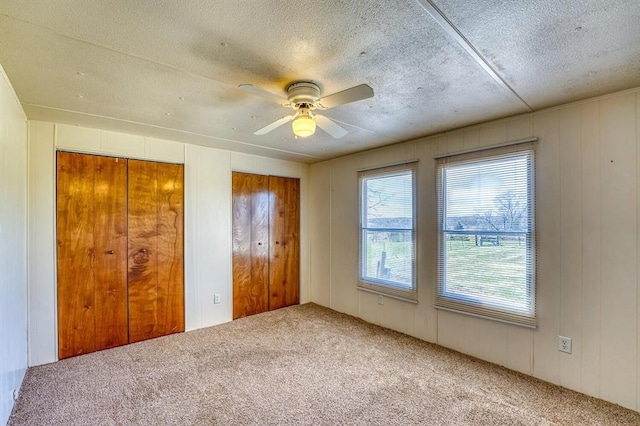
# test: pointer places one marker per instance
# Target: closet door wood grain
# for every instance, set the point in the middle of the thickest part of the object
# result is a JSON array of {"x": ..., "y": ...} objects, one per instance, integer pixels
[
  {"x": 155, "y": 265},
  {"x": 74, "y": 209},
  {"x": 91, "y": 253},
  {"x": 250, "y": 223},
  {"x": 170, "y": 303},
  {"x": 110, "y": 259},
  {"x": 142, "y": 258},
  {"x": 284, "y": 219}
]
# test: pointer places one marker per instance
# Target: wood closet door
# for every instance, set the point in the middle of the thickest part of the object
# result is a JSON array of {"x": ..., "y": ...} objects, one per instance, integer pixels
[
  {"x": 284, "y": 220},
  {"x": 156, "y": 277},
  {"x": 266, "y": 245},
  {"x": 250, "y": 222},
  {"x": 91, "y": 253}
]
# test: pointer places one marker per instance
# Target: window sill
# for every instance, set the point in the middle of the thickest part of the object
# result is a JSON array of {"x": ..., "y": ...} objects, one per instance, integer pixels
[
  {"x": 391, "y": 296},
  {"x": 531, "y": 325}
]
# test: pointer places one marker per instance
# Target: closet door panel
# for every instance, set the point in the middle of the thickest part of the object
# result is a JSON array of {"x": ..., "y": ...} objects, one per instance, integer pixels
[
  {"x": 143, "y": 258},
  {"x": 250, "y": 224},
  {"x": 260, "y": 243},
  {"x": 155, "y": 265},
  {"x": 110, "y": 259},
  {"x": 74, "y": 209},
  {"x": 284, "y": 273},
  {"x": 91, "y": 229},
  {"x": 241, "y": 243},
  {"x": 170, "y": 304}
]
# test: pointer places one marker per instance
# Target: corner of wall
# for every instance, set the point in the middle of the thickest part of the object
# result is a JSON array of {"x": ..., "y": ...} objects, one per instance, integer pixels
[{"x": 13, "y": 246}]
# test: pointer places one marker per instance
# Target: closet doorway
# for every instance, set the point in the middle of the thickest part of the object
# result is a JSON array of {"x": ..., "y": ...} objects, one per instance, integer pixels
[
  {"x": 119, "y": 251},
  {"x": 266, "y": 243}
]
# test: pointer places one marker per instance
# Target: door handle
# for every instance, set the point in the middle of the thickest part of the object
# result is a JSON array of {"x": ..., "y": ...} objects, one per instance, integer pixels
[{"x": 110, "y": 252}]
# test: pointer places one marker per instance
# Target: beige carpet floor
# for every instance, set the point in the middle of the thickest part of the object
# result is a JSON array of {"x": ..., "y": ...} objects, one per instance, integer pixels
[{"x": 300, "y": 365}]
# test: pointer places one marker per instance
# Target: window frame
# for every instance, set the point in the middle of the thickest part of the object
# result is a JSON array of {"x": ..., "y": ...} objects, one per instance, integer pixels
[
  {"x": 381, "y": 286},
  {"x": 478, "y": 306}
]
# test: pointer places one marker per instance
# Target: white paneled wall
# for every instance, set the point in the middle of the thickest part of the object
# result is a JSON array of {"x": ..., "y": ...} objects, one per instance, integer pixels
[
  {"x": 588, "y": 234},
  {"x": 208, "y": 231},
  {"x": 619, "y": 249},
  {"x": 82, "y": 139},
  {"x": 42, "y": 244},
  {"x": 319, "y": 232},
  {"x": 13, "y": 246},
  {"x": 207, "y": 221}
]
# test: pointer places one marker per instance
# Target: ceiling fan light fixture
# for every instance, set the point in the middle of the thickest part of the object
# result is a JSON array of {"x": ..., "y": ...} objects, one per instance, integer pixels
[
  {"x": 303, "y": 126},
  {"x": 304, "y": 97}
]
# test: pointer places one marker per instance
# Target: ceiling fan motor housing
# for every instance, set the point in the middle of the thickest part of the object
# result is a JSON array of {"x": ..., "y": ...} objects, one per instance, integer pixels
[{"x": 303, "y": 92}]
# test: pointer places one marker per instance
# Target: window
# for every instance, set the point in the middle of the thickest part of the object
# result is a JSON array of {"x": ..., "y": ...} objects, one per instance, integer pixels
[
  {"x": 387, "y": 231},
  {"x": 486, "y": 234}
]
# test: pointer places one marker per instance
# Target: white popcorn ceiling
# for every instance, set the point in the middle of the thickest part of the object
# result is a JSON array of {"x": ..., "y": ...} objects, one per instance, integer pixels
[{"x": 170, "y": 68}]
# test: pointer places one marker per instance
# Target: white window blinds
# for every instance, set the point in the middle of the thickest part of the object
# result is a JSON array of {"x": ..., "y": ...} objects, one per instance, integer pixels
[
  {"x": 387, "y": 230},
  {"x": 486, "y": 234}
]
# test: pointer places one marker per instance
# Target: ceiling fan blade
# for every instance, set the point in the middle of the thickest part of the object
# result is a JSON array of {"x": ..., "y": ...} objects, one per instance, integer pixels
[
  {"x": 356, "y": 93},
  {"x": 255, "y": 90},
  {"x": 329, "y": 126},
  {"x": 274, "y": 125}
]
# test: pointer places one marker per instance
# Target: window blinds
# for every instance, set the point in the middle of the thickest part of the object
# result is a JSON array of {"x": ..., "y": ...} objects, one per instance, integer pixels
[{"x": 486, "y": 219}]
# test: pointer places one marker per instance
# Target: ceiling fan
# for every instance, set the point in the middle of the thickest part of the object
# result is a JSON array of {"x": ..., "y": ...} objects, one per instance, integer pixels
[{"x": 304, "y": 98}]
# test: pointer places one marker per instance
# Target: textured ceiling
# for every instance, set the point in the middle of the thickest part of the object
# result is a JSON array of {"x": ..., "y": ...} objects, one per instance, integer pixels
[{"x": 170, "y": 68}]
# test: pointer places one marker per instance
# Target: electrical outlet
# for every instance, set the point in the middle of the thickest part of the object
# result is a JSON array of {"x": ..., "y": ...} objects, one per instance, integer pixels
[
  {"x": 380, "y": 299},
  {"x": 216, "y": 298},
  {"x": 564, "y": 344}
]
